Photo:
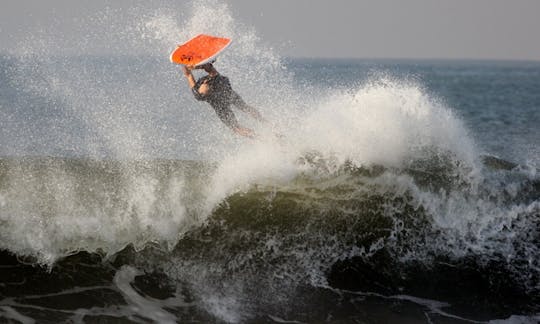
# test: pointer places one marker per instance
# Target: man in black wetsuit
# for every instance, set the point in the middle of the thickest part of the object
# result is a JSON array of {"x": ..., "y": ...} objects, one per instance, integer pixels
[{"x": 215, "y": 89}]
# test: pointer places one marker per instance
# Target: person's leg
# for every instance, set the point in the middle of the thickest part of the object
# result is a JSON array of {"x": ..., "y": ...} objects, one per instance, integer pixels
[
  {"x": 242, "y": 105},
  {"x": 228, "y": 118},
  {"x": 244, "y": 131}
]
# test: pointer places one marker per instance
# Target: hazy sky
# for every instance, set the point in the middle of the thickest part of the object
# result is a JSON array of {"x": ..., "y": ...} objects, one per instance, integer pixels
[{"x": 478, "y": 29}]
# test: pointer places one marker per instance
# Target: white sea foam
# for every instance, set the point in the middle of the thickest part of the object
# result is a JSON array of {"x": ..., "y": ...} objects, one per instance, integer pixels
[
  {"x": 8, "y": 312},
  {"x": 517, "y": 319},
  {"x": 145, "y": 307}
]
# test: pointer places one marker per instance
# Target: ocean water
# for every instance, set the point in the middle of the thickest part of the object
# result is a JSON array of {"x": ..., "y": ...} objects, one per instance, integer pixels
[{"x": 395, "y": 191}]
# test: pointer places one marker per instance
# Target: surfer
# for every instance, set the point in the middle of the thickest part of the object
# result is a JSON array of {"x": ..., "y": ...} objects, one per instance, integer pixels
[{"x": 216, "y": 89}]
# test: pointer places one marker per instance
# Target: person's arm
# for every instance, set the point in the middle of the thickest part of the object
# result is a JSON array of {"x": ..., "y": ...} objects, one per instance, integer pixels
[
  {"x": 189, "y": 76},
  {"x": 229, "y": 119},
  {"x": 191, "y": 82}
]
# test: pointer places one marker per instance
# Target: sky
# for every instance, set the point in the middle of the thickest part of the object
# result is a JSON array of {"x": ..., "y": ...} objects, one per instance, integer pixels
[{"x": 416, "y": 29}]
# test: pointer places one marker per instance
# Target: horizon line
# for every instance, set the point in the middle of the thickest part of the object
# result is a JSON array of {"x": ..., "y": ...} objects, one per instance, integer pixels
[{"x": 295, "y": 57}]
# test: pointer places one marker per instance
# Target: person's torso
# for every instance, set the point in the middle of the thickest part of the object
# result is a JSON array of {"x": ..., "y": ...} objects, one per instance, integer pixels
[{"x": 219, "y": 91}]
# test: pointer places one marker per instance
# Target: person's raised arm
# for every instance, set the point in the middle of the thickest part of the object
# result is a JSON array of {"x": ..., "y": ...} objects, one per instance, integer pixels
[{"x": 189, "y": 76}]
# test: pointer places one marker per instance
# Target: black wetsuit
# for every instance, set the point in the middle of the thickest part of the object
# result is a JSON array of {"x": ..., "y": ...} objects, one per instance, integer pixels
[{"x": 220, "y": 96}]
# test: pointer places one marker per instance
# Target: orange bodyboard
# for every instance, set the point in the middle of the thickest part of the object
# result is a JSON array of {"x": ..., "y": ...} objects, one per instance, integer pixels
[{"x": 199, "y": 50}]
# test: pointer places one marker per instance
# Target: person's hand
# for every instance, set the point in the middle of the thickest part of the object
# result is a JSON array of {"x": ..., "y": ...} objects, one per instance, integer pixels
[{"x": 186, "y": 69}]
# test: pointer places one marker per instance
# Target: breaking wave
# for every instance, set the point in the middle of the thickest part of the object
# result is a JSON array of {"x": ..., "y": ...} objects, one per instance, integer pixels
[{"x": 375, "y": 187}]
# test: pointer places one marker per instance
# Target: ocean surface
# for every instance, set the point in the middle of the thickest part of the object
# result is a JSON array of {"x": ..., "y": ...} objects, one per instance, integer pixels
[{"x": 378, "y": 191}]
